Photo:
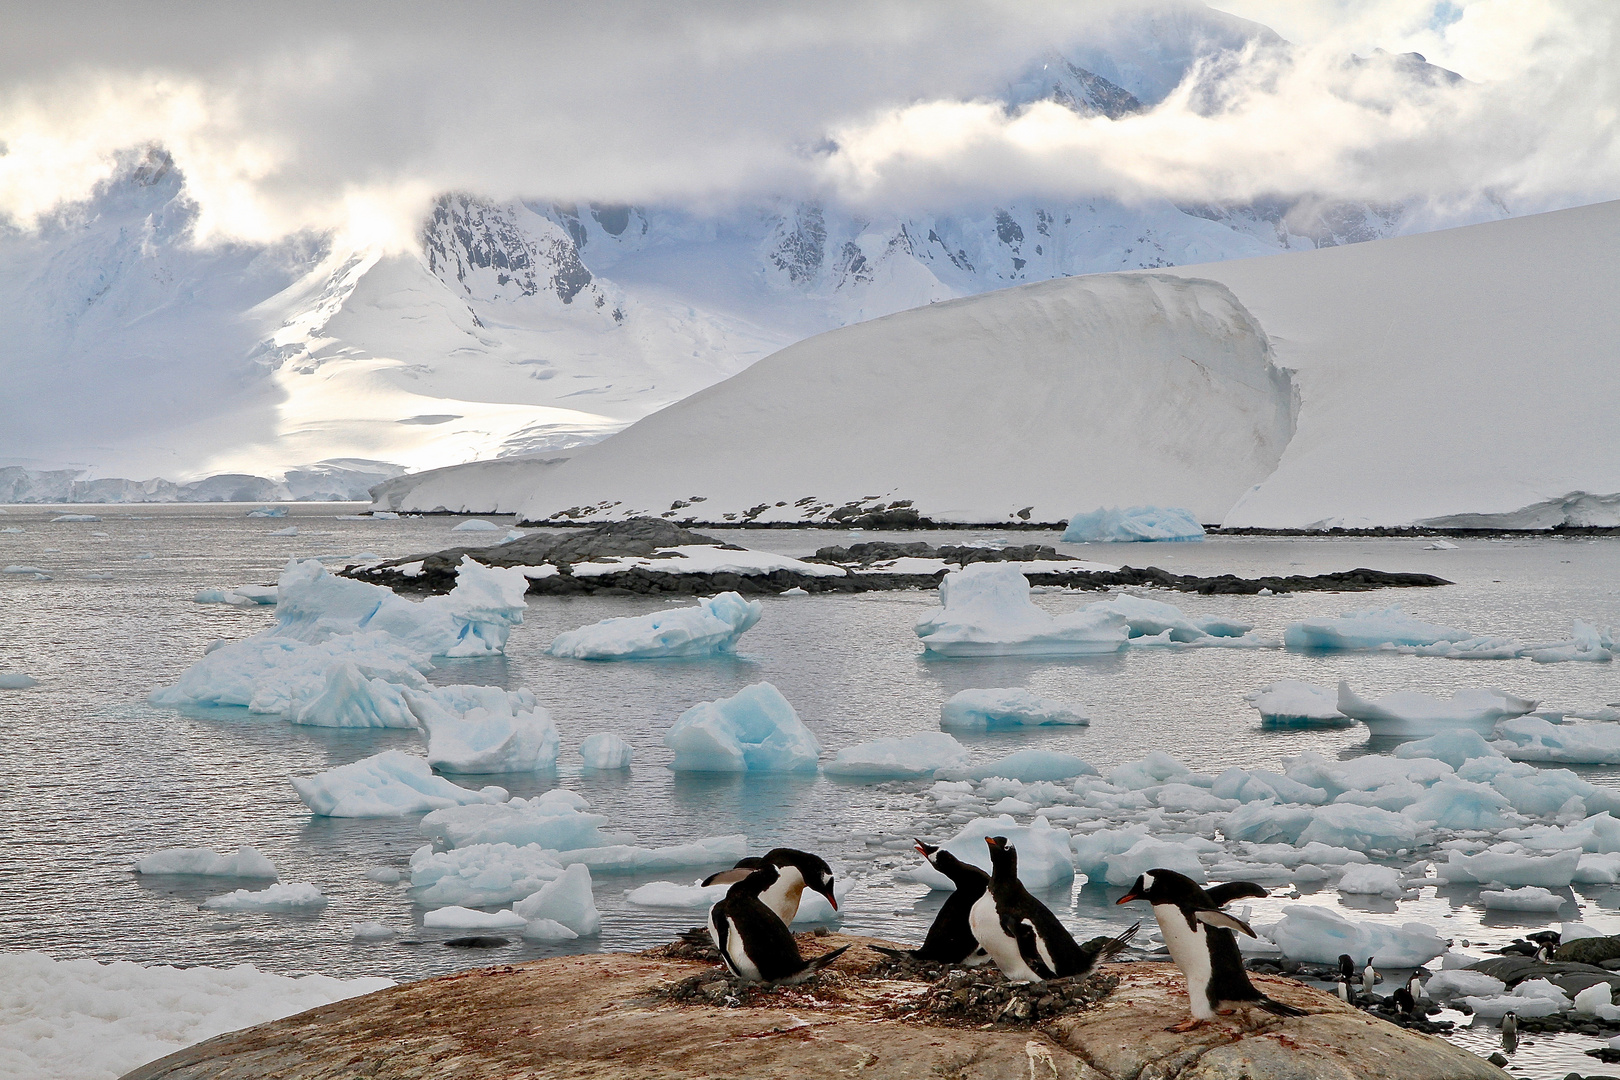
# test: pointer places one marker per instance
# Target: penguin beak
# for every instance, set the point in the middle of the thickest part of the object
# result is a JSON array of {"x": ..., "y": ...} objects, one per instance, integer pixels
[
  {"x": 1128, "y": 897},
  {"x": 831, "y": 899}
]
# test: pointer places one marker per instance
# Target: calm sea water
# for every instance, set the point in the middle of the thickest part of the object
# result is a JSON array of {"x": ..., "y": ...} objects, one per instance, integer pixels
[{"x": 91, "y": 777}]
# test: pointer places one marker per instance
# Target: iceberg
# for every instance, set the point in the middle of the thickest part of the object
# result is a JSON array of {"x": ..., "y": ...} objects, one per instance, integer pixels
[
  {"x": 204, "y": 862},
  {"x": 904, "y": 757},
  {"x": 1044, "y": 856},
  {"x": 480, "y": 875},
  {"x": 484, "y": 729},
  {"x": 1530, "y": 738},
  {"x": 1289, "y": 703},
  {"x": 295, "y": 896},
  {"x": 269, "y": 674},
  {"x": 1033, "y": 766},
  {"x": 1320, "y": 935},
  {"x": 547, "y": 930},
  {"x": 1463, "y": 982},
  {"x": 1454, "y": 803},
  {"x": 668, "y": 894},
  {"x": 1360, "y": 828},
  {"x": 1453, "y": 747},
  {"x": 604, "y": 750},
  {"x": 554, "y": 819},
  {"x": 462, "y": 918},
  {"x": 986, "y": 611},
  {"x": 1149, "y": 853},
  {"x": 16, "y": 680},
  {"x": 980, "y": 710},
  {"x": 475, "y": 525},
  {"x": 268, "y": 512},
  {"x": 566, "y": 900},
  {"x": 1531, "y": 998},
  {"x": 1527, "y": 898},
  {"x": 1266, "y": 822},
  {"x": 1509, "y": 868},
  {"x": 351, "y": 700},
  {"x": 754, "y": 730},
  {"x": 390, "y": 784},
  {"x": 1408, "y": 712},
  {"x": 1369, "y": 629},
  {"x": 1134, "y": 523},
  {"x": 628, "y": 859},
  {"x": 1156, "y": 619},
  {"x": 1586, "y": 642},
  {"x": 1370, "y": 879},
  {"x": 709, "y": 629}
]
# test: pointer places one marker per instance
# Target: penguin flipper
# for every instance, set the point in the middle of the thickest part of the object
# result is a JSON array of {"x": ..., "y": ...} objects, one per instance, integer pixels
[
  {"x": 1225, "y": 921},
  {"x": 898, "y": 954},
  {"x": 722, "y": 935},
  {"x": 1278, "y": 1008},
  {"x": 1221, "y": 895},
  {"x": 1023, "y": 932},
  {"x": 729, "y": 877}
]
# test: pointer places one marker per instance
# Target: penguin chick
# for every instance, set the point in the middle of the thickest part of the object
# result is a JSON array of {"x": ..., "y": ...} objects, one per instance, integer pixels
[
  {"x": 1022, "y": 935},
  {"x": 950, "y": 939},
  {"x": 753, "y": 941},
  {"x": 797, "y": 870},
  {"x": 1199, "y": 936}
]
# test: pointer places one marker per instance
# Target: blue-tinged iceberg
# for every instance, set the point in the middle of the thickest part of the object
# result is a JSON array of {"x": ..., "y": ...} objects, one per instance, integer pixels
[
  {"x": 905, "y": 757},
  {"x": 1408, "y": 712},
  {"x": 710, "y": 628},
  {"x": 986, "y": 611},
  {"x": 754, "y": 730},
  {"x": 1111, "y": 525},
  {"x": 484, "y": 729},
  {"x": 980, "y": 710},
  {"x": 1370, "y": 629},
  {"x": 389, "y": 784}
]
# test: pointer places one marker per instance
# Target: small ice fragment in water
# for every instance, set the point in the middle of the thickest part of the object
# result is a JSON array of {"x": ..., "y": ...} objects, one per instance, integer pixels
[{"x": 605, "y": 750}]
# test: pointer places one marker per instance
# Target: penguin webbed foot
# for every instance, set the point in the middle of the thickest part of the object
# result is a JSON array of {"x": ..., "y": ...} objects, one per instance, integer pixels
[{"x": 1189, "y": 1024}]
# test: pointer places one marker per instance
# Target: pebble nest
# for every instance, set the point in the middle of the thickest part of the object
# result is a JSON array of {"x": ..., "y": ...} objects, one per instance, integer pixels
[{"x": 984, "y": 996}]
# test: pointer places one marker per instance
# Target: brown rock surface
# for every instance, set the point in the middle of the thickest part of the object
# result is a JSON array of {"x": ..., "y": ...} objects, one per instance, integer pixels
[{"x": 602, "y": 1016}]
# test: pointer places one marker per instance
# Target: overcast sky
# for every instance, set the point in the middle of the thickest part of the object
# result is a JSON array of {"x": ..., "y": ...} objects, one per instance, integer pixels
[{"x": 350, "y": 116}]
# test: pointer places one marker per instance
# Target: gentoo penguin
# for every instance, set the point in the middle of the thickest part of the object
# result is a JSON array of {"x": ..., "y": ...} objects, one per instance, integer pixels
[
  {"x": 798, "y": 870},
  {"x": 1415, "y": 988},
  {"x": 1346, "y": 995},
  {"x": 1022, "y": 935},
  {"x": 1510, "y": 1032},
  {"x": 950, "y": 939},
  {"x": 1402, "y": 997},
  {"x": 1369, "y": 977},
  {"x": 1347, "y": 967},
  {"x": 1199, "y": 936},
  {"x": 753, "y": 941}
]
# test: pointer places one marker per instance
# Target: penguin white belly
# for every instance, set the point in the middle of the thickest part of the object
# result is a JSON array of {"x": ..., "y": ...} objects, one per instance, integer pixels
[
  {"x": 985, "y": 922},
  {"x": 737, "y": 955},
  {"x": 1189, "y": 949},
  {"x": 783, "y": 896}
]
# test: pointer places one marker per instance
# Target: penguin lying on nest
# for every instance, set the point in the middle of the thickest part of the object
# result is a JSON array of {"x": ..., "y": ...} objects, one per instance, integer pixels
[
  {"x": 1199, "y": 936},
  {"x": 797, "y": 871},
  {"x": 754, "y": 942},
  {"x": 1022, "y": 935},
  {"x": 950, "y": 939}
]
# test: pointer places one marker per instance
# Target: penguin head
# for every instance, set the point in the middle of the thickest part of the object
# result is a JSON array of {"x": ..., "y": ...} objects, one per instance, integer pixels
[
  {"x": 927, "y": 851},
  {"x": 1003, "y": 857},
  {"x": 817, "y": 875},
  {"x": 1160, "y": 886}
]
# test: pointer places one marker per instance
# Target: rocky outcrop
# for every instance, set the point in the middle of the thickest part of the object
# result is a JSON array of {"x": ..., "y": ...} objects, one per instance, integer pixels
[{"x": 612, "y": 1015}]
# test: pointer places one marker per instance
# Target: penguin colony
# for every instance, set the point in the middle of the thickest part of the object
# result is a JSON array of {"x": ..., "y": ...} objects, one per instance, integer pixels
[{"x": 992, "y": 918}]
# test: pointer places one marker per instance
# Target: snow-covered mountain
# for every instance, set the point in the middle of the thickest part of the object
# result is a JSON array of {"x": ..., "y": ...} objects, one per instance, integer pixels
[
  {"x": 1462, "y": 378},
  {"x": 523, "y": 328}
]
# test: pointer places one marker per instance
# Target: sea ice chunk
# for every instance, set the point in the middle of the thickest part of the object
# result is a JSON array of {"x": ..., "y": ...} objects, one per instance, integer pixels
[
  {"x": 979, "y": 710},
  {"x": 1408, "y": 712},
  {"x": 548, "y": 930},
  {"x": 986, "y": 611},
  {"x": 1530, "y": 738},
  {"x": 553, "y": 819},
  {"x": 628, "y": 859},
  {"x": 351, "y": 700},
  {"x": 1150, "y": 853},
  {"x": 1586, "y": 642},
  {"x": 753, "y": 730},
  {"x": 1289, "y": 703},
  {"x": 1456, "y": 982},
  {"x": 1369, "y": 629},
  {"x": 1266, "y": 822},
  {"x": 462, "y": 918},
  {"x": 1531, "y": 998},
  {"x": 710, "y": 628},
  {"x": 1032, "y": 766},
  {"x": 475, "y": 525},
  {"x": 1597, "y": 1000},
  {"x": 268, "y": 512},
  {"x": 484, "y": 729},
  {"x": 291, "y": 530},
  {"x": 605, "y": 750},
  {"x": 1151, "y": 618},
  {"x": 1134, "y": 523},
  {"x": 1320, "y": 935},
  {"x": 16, "y": 680},
  {"x": 1361, "y": 828},
  {"x": 1370, "y": 879},
  {"x": 480, "y": 875},
  {"x": 204, "y": 862},
  {"x": 1044, "y": 856},
  {"x": 903, "y": 757},
  {"x": 1452, "y": 747},
  {"x": 390, "y": 784},
  {"x": 1454, "y": 803},
  {"x": 280, "y": 675},
  {"x": 292, "y": 896},
  {"x": 372, "y": 931},
  {"x": 668, "y": 894},
  {"x": 566, "y": 900},
  {"x": 1509, "y": 868},
  {"x": 1528, "y": 898}
]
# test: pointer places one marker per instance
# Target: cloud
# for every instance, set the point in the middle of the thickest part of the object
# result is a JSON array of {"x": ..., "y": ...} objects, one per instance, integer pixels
[{"x": 295, "y": 115}]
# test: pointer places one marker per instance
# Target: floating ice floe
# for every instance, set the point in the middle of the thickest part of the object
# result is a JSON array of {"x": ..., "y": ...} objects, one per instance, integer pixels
[
  {"x": 986, "y": 611},
  {"x": 1044, "y": 856},
  {"x": 74, "y": 517},
  {"x": 475, "y": 525},
  {"x": 754, "y": 730},
  {"x": 1289, "y": 703},
  {"x": 1320, "y": 935},
  {"x": 1530, "y": 738},
  {"x": 710, "y": 628},
  {"x": 902, "y": 757},
  {"x": 484, "y": 729},
  {"x": 1153, "y": 622},
  {"x": 566, "y": 901},
  {"x": 292, "y": 896},
  {"x": 351, "y": 699},
  {"x": 204, "y": 862},
  {"x": 1598, "y": 1000},
  {"x": 1453, "y": 747},
  {"x": 268, "y": 512},
  {"x": 1134, "y": 523},
  {"x": 1586, "y": 642},
  {"x": 372, "y": 931},
  {"x": 1509, "y": 868},
  {"x": 604, "y": 751},
  {"x": 1440, "y": 545},
  {"x": 979, "y": 710},
  {"x": 280, "y": 675},
  {"x": 1149, "y": 853},
  {"x": 462, "y": 918},
  {"x": 16, "y": 680},
  {"x": 1408, "y": 712},
  {"x": 1370, "y": 879},
  {"x": 1460, "y": 982},
  {"x": 1531, "y": 998},
  {"x": 390, "y": 784},
  {"x": 481, "y": 875},
  {"x": 1527, "y": 898},
  {"x": 668, "y": 894},
  {"x": 1373, "y": 628},
  {"x": 554, "y": 819},
  {"x": 1031, "y": 766}
]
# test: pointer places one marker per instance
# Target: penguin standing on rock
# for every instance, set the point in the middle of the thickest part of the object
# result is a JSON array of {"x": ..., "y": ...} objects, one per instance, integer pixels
[
  {"x": 950, "y": 939},
  {"x": 1022, "y": 935},
  {"x": 753, "y": 941},
  {"x": 1369, "y": 977},
  {"x": 796, "y": 871},
  {"x": 1199, "y": 936}
]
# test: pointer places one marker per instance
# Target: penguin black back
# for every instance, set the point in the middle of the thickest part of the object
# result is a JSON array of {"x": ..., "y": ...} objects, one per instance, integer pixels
[
  {"x": 950, "y": 939},
  {"x": 753, "y": 941},
  {"x": 1045, "y": 944},
  {"x": 798, "y": 870}
]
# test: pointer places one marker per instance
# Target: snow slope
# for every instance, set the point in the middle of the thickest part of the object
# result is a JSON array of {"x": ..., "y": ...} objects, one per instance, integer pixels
[{"x": 1454, "y": 377}]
